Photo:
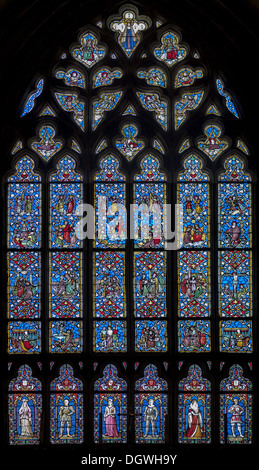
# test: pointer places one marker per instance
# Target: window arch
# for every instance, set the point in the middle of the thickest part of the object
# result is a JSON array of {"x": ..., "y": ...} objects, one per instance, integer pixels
[{"x": 132, "y": 114}]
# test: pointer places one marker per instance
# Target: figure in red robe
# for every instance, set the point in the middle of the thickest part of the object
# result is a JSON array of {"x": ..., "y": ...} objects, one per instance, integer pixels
[{"x": 194, "y": 429}]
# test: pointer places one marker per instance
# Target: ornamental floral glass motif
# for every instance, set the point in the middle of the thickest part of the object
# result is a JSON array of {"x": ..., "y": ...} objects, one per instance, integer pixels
[{"x": 127, "y": 137}]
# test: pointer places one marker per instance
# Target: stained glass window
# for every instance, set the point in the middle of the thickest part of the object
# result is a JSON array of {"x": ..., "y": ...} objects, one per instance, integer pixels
[
  {"x": 127, "y": 126},
  {"x": 66, "y": 408},
  {"x": 151, "y": 407}
]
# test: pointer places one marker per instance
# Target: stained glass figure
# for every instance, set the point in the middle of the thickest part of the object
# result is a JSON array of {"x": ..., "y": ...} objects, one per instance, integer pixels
[
  {"x": 193, "y": 284},
  {"x": 109, "y": 336},
  {"x": 213, "y": 145},
  {"x": 65, "y": 285},
  {"x": 130, "y": 144},
  {"x": 109, "y": 289},
  {"x": 149, "y": 199},
  {"x": 236, "y": 336},
  {"x": 150, "y": 284},
  {"x": 47, "y": 146},
  {"x": 151, "y": 336},
  {"x": 153, "y": 76},
  {"x": 228, "y": 100},
  {"x": 65, "y": 197},
  {"x": 158, "y": 146},
  {"x": 235, "y": 289},
  {"x": 184, "y": 145},
  {"x": 24, "y": 408},
  {"x": 72, "y": 103},
  {"x": 193, "y": 193},
  {"x": 66, "y": 408},
  {"x": 242, "y": 146},
  {"x": 24, "y": 206},
  {"x": 186, "y": 103},
  {"x": 18, "y": 146},
  {"x": 170, "y": 52},
  {"x": 110, "y": 407},
  {"x": 234, "y": 205},
  {"x": 194, "y": 408},
  {"x": 150, "y": 407},
  {"x": 194, "y": 336},
  {"x": 153, "y": 102},
  {"x": 105, "y": 76},
  {"x": 128, "y": 27},
  {"x": 89, "y": 51},
  {"x": 130, "y": 110},
  {"x": 66, "y": 336},
  {"x": 110, "y": 205},
  {"x": 236, "y": 408},
  {"x": 187, "y": 76},
  {"x": 23, "y": 284},
  {"x": 106, "y": 102},
  {"x": 30, "y": 102},
  {"x": 212, "y": 109},
  {"x": 24, "y": 337},
  {"x": 47, "y": 111},
  {"x": 71, "y": 77}
]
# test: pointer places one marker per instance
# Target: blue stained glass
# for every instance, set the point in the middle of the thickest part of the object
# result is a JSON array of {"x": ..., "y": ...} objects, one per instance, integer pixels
[
  {"x": 128, "y": 26},
  {"x": 66, "y": 408},
  {"x": 106, "y": 102},
  {"x": 65, "y": 285},
  {"x": 66, "y": 336},
  {"x": 110, "y": 336},
  {"x": 235, "y": 290},
  {"x": 235, "y": 215},
  {"x": 106, "y": 76},
  {"x": 24, "y": 337},
  {"x": 194, "y": 408},
  {"x": 186, "y": 103},
  {"x": 109, "y": 285},
  {"x": 24, "y": 408},
  {"x": 153, "y": 102},
  {"x": 70, "y": 102},
  {"x": 150, "y": 284},
  {"x": 193, "y": 284},
  {"x": 154, "y": 76},
  {"x": 236, "y": 336},
  {"x": 89, "y": 52},
  {"x": 130, "y": 144},
  {"x": 23, "y": 285},
  {"x": 30, "y": 102},
  {"x": 170, "y": 51},
  {"x": 150, "y": 407},
  {"x": 187, "y": 76},
  {"x": 71, "y": 77},
  {"x": 229, "y": 102},
  {"x": 194, "y": 336},
  {"x": 110, "y": 407},
  {"x": 47, "y": 145},
  {"x": 150, "y": 336}
]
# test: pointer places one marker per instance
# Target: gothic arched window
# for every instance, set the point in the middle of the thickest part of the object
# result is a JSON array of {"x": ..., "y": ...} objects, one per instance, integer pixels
[{"x": 130, "y": 245}]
